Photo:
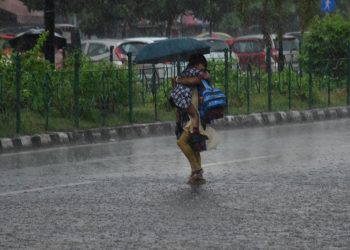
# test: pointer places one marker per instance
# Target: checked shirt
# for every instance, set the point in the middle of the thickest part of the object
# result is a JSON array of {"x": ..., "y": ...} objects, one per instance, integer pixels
[{"x": 182, "y": 94}]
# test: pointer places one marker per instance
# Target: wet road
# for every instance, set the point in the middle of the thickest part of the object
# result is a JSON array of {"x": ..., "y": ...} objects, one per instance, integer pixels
[{"x": 284, "y": 187}]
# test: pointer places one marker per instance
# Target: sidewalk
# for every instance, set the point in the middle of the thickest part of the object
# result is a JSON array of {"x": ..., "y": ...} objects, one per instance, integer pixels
[{"x": 166, "y": 128}]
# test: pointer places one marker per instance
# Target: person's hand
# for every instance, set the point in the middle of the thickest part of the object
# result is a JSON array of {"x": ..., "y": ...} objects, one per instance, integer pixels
[{"x": 197, "y": 142}]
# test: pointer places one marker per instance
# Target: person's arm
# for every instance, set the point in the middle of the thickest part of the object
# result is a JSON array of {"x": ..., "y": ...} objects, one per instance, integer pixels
[{"x": 192, "y": 81}]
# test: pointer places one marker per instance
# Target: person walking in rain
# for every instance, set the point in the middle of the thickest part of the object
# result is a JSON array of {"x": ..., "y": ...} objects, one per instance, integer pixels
[
  {"x": 181, "y": 96},
  {"x": 191, "y": 135}
]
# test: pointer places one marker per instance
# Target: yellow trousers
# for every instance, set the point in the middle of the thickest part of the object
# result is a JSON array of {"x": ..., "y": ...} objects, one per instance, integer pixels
[
  {"x": 183, "y": 142},
  {"x": 193, "y": 157}
]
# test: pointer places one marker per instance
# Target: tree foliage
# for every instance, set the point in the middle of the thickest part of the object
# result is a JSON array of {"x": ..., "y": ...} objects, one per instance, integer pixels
[
  {"x": 325, "y": 47},
  {"x": 165, "y": 11},
  {"x": 212, "y": 11},
  {"x": 105, "y": 17}
]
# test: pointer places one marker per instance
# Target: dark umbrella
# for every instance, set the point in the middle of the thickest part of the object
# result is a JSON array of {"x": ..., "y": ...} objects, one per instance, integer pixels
[
  {"x": 172, "y": 49},
  {"x": 26, "y": 40}
]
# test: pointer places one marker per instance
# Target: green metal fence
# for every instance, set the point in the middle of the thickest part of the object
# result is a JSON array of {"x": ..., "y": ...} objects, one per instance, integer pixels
[{"x": 32, "y": 102}]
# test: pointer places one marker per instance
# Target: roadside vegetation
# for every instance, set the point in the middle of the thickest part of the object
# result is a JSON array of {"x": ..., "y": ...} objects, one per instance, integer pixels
[{"x": 86, "y": 95}]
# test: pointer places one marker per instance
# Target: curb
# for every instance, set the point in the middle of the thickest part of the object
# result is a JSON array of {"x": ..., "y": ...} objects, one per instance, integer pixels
[{"x": 166, "y": 128}]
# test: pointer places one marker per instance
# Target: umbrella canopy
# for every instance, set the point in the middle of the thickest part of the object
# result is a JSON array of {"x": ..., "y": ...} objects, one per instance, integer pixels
[
  {"x": 172, "y": 49},
  {"x": 26, "y": 40}
]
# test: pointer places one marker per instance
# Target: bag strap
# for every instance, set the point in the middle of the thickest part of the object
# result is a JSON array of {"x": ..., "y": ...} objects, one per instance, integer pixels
[{"x": 206, "y": 85}]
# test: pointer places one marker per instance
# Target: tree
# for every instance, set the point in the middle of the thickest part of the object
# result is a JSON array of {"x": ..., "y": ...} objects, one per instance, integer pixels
[
  {"x": 102, "y": 20},
  {"x": 230, "y": 23},
  {"x": 49, "y": 16},
  {"x": 343, "y": 8},
  {"x": 325, "y": 48},
  {"x": 282, "y": 10},
  {"x": 62, "y": 6},
  {"x": 99, "y": 17},
  {"x": 307, "y": 10},
  {"x": 212, "y": 11},
  {"x": 262, "y": 10},
  {"x": 105, "y": 17},
  {"x": 165, "y": 11},
  {"x": 274, "y": 15}
]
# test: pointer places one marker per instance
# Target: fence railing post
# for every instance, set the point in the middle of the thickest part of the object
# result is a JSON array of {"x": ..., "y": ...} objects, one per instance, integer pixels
[
  {"x": 348, "y": 83},
  {"x": 1, "y": 90},
  {"x": 258, "y": 77},
  {"x": 328, "y": 92},
  {"x": 310, "y": 82},
  {"x": 143, "y": 85},
  {"x": 18, "y": 92},
  {"x": 104, "y": 98},
  {"x": 46, "y": 100},
  {"x": 76, "y": 90},
  {"x": 111, "y": 49},
  {"x": 130, "y": 91},
  {"x": 178, "y": 68},
  {"x": 248, "y": 87},
  {"x": 269, "y": 77},
  {"x": 238, "y": 80},
  {"x": 226, "y": 78},
  {"x": 154, "y": 91},
  {"x": 290, "y": 86}
]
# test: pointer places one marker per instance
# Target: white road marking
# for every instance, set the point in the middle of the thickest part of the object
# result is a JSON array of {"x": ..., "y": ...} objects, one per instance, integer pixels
[
  {"x": 92, "y": 182},
  {"x": 60, "y": 147},
  {"x": 46, "y": 188}
]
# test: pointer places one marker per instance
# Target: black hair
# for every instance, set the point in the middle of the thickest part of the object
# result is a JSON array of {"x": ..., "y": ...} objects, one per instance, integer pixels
[{"x": 197, "y": 59}]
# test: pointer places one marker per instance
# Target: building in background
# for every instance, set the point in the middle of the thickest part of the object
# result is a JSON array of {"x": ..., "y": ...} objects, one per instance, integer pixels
[{"x": 15, "y": 13}]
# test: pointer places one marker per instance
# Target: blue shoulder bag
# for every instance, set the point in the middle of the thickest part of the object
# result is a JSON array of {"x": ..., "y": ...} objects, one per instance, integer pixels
[{"x": 213, "y": 103}]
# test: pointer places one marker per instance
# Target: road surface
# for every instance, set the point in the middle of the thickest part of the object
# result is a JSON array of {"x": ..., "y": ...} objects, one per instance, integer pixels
[{"x": 282, "y": 187}]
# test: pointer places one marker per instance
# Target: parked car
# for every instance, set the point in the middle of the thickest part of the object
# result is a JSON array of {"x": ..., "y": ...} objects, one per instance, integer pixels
[
  {"x": 252, "y": 49},
  {"x": 290, "y": 46},
  {"x": 163, "y": 70},
  {"x": 297, "y": 34},
  {"x": 12, "y": 31},
  {"x": 99, "y": 49},
  {"x": 218, "y": 35},
  {"x": 217, "y": 48},
  {"x": 146, "y": 39}
]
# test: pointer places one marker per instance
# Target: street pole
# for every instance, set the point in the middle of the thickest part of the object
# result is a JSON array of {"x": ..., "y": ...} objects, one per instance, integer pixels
[
  {"x": 211, "y": 19},
  {"x": 49, "y": 20}
]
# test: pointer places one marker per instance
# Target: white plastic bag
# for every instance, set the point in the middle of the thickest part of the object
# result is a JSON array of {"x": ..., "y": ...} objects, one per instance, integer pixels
[{"x": 213, "y": 138}]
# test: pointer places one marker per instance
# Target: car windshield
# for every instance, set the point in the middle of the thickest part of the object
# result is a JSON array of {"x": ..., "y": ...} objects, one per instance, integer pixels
[
  {"x": 132, "y": 47},
  {"x": 248, "y": 46},
  {"x": 96, "y": 49},
  {"x": 289, "y": 44}
]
